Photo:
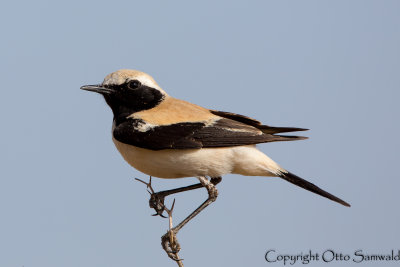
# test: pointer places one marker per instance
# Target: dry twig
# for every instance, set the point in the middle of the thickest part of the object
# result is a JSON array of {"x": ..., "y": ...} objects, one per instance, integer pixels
[{"x": 169, "y": 242}]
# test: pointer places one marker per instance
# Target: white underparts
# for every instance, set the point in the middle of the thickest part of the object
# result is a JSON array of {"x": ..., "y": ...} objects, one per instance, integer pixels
[{"x": 213, "y": 162}]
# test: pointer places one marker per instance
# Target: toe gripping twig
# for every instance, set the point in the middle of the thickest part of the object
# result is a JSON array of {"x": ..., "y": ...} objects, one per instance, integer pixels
[{"x": 156, "y": 200}]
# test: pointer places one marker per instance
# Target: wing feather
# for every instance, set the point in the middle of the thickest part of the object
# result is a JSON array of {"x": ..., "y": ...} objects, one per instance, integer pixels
[
  {"x": 255, "y": 123},
  {"x": 189, "y": 135}
]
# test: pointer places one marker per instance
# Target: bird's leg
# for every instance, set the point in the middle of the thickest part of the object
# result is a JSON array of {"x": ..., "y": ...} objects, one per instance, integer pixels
[
  {"x": 157, "y": 198},
  {"x": 212, "y": 196}
]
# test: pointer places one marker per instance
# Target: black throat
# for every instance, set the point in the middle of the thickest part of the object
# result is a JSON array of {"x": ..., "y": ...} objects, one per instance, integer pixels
[{"x": 123, "y": 102}]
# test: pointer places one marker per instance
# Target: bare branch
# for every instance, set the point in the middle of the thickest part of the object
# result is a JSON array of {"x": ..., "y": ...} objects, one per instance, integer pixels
[{"x": 169, "y": 241}]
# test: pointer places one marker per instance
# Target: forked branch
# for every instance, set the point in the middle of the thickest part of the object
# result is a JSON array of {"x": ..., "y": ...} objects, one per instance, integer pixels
[{"x": 169, "y": 241}]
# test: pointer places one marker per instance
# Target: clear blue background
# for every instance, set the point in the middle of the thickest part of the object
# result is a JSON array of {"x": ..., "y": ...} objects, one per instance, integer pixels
[{"x": 67, "y": 198}]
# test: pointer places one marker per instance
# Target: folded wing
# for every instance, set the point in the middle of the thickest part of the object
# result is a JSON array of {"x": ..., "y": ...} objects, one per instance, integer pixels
[
  {"x": 255, "y": 123},
  {"x": 222, "y": 132}
]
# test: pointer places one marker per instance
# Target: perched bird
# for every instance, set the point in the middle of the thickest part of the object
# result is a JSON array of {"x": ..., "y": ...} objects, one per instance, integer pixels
[{"x": 170, "y": 138}]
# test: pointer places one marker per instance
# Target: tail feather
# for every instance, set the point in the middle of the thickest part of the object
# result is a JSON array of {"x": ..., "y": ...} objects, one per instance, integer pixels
[
  {"x": 294, "y": 179},
  {"x": 272, "y": 130},
  {"x": 288, "y": 138},
  {"x": 255, "y": 123}
]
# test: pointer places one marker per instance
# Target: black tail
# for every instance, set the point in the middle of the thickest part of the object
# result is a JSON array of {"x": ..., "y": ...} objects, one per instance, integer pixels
[
  {"x": 272, "y": 130},
  {"x": 289, "y": 137},
  {"x": 294, "y": 179}
]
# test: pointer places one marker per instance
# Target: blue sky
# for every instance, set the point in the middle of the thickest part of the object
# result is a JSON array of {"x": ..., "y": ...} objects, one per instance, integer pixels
[{"x": 67, "y": 198}]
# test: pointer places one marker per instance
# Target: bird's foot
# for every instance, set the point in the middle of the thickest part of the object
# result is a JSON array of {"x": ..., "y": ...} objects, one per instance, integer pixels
[
  {"x": 170, "y": 244},
  {"x": 156, "y": 200}
]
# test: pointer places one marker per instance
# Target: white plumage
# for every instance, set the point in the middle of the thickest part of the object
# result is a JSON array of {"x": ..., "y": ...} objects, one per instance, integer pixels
[{"x": 212, "y": 162}]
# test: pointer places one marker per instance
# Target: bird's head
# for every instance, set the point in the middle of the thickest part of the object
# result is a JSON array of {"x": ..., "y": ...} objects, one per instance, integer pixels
[{"x": 129, "y": 91}]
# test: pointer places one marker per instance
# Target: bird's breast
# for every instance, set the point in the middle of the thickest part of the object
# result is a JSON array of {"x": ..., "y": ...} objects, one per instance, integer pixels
[{"x": 178, "y": 163}]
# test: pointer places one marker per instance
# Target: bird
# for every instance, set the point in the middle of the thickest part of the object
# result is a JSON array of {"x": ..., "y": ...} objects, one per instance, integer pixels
[{"x": 166, "y": 137}]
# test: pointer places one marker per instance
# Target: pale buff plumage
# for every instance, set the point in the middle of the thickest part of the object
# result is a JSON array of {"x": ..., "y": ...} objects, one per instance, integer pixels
[
  {"x": 214, "y": 162},
  {"x": 172, "y": 110}
]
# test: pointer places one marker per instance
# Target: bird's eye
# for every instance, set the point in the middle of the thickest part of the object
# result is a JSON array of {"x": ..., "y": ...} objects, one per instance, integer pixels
[{"x": 134, "y": 84}]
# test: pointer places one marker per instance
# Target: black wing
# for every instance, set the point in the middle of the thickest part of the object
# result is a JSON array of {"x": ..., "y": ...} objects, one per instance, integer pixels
[
  {"x": 256, "y": 123},
  {"x": 222, "y": 133}
]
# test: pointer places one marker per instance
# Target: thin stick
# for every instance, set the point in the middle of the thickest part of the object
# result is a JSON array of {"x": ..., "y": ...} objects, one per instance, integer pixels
[{"x": 171, "y": 246}]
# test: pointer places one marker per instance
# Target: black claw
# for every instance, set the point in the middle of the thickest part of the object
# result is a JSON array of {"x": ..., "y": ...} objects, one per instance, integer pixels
[
  {"x": 159, "y": 215},
  {"x": 157, "y": 203},
  {"x": 156, "y": 200}
]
